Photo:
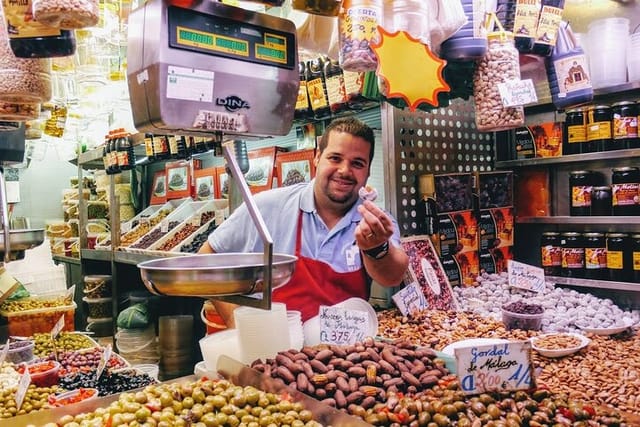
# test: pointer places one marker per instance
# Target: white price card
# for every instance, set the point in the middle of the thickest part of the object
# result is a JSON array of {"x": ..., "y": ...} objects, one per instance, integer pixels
[
  {"x": 4, "y": 352},
  {"x": 196, "y": 221},
  {"x": 125, "y": 227},
  {"x": 8, "y": 284},
  {"x": 525, "y": 276},
  {"x": 410, "y": 299},
  {"x": 517, "y": 92},
  {"x": 164, "y": 226},
  {"x": 495, "y": 367},
  {"x": 104, "y": 359},
  {"x": 23, "y": 387},
  {"x": 342, "y": 326},
  {"x": 57, "y": 328}
]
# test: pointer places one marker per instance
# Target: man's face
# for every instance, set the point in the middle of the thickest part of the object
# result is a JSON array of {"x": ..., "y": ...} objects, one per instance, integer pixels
[{"x": 341, "y": 169}]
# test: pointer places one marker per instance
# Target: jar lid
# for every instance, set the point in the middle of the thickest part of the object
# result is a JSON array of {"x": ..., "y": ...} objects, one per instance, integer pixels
[
  {"x": 570, "y": 234},
  {"x": 500, "y": 36},
  {"x": 585, "y": 172},
  {"x": 625, "y": 169},
  {"x": 593, "y": 234},
  {"x": 617, "y": 235},
  {"x": 635, "y": 236},
  {"x": 602, "y": 188},
  {"x": 623, "y": 103},
  {"x": 550, "y": 233},
  {"x": 599, "y": 107},
  {"x": 576, "y": 110}
]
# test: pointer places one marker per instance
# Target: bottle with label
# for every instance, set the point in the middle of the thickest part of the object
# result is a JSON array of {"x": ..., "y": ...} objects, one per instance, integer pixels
[
  {"x": 126, "y": 155},
  {"x": 334, "y": 81},
  {"x": 567, "y": 67},
  {"x": 525, "y": 23},
  {"x": 172, "y": 141},
  {"x": 625, "y": 188},
  {"x": 29, "y": 38},
  {"x": 547, "y": 28},
  {"x": 148, "y": 147},
  {"x": 105, "y": 154},
  {"x": 427, "y": 216},
  {"x": 199, "y": 144},
  {"x": 302, "y": 102},
  {"x": 113, "y": 152},
  {"x": 161, "y": 147},
  {"x": 182, "y": 147},
  {"x": 358, "y": 23},
  {"x": 317, "y": 88}
]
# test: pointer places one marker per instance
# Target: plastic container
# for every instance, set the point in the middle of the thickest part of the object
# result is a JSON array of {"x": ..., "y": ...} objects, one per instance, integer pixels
[
  {"x": 529, "y": 322},
  {"x": 19, "y": 351},
  {"x": 99, "y": 307},
  {"x": 224, "y": 342},
  {"x": 23, "y": 80},
  {"x": 44, "y": 374},
  {"x": 470, "y": 41},
  {"x": 633, "y": 58},
  {"x": 66, "y": 14},
  {"x": 73, "y": 396},
  {"x": 101, "y": 327},
  {"x": 28, "y": 322},
  {"x": 211, "y": 318},
  {"x": 138, "y": 346},
  {"x": 151, "y": 369},
  {"x": 97, "y": 286},
  {"x": 608, "y": 51},
  {"x": 358, "y": 23}
]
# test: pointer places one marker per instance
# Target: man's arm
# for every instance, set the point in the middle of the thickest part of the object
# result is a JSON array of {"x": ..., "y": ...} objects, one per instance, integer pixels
[
  {"x": 389, "y": 270},
  {"x": 224, "y": 309}
]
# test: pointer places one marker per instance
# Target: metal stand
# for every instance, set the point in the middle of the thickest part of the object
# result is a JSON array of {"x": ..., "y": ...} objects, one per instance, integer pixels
[
  {"x": 5, "y": 217},
  {"x": 238, "y": 178}
]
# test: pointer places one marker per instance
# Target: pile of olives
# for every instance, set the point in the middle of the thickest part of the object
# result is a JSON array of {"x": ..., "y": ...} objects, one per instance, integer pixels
[
  {"x": 203, "y": 403},
  {"x": 198, "y": 239},
  {"x": 110, "y": 382},
  {"x": 66, "y": 341},
  {"x": 35, "y": 400}
]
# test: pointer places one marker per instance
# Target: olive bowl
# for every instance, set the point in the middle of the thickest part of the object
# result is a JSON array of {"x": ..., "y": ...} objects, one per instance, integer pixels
[{"x": 211, "y": 275}]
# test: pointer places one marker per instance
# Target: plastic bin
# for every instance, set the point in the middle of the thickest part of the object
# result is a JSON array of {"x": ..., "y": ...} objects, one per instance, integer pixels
[
  {"x": 99, "y": 308},
  {"x": 101, "y": 327},
  {"x": 43, "y": 374},
  {"x": 19, "y": 351},
  {"x": 97, "y": 286},
  {"x": 28, "y": 322},
  {"x": 532, "y": 322}
]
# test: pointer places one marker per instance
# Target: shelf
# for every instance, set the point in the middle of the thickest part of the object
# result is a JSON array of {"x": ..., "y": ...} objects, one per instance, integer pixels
[
  {"x": 65, "y": 259},
  {"x": 604, "y": 220},
  {"x": 600, "y": 284},
  {"x": 96, "y": 254},
  {"x": 572, "y": 158},
  {"x": 91, "y": 159},
  {"x": 131, "y": 258}
]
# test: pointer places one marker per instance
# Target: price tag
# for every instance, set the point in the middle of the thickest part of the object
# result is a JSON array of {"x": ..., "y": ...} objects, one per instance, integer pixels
[
  {"x": 4, "y": 352},
  {"x": 219, "y": 216},
  {"x": 517, "y": 92},
  {"x": 23, "y": 387},
  {"x": 495, "y": 367},
  {"x": 104, "y": 359},
  {"x": 410, "y": 299},
  {"x": 57, "y": 328},
  {"x": 164, "y": 226},
  {"x": 525, "y": 276},
  {"x": 125, "y": 227},
  {"x": 341, "y": 326},
  {"x": 196, "y": 221},
  {"x": 8, "y": 284}
]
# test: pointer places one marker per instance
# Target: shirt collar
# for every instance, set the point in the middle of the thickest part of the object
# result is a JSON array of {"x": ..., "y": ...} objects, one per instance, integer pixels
[{"x": 308, "y": 204}]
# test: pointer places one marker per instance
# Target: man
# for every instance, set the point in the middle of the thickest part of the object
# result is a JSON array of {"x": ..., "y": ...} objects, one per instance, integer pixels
[{"x": 341, "y": 241}]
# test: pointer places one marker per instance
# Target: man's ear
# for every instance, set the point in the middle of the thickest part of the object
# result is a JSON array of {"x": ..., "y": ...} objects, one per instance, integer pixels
[{"x": 316, "y": 159}]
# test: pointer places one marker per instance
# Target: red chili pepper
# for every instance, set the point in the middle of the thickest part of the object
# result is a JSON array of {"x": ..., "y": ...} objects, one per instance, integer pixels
[
  {"x": 589, "y": 410},
  {"x": 566, "y": 412}
]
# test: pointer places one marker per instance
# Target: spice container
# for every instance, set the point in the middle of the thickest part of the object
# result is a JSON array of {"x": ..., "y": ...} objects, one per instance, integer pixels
[
  {"x": 572, "y": 254},
  {"x": 625, "y": 125},
  {"x": 619, "y": 257},
  {"x": 595, "y": 256},
  {"x": 625, "y": 188},
  {"x": 551, "y": 253},
  {"x": 580, "y": 186},
  {"x": 498, "y": 65},
  {"x": 575, "y": 127},
  {"x": 601, "y": 201},
  {"x": 598, "y": 128},
  {"x": 66, "y": 14},
  {"x": 358, "y": 23}
]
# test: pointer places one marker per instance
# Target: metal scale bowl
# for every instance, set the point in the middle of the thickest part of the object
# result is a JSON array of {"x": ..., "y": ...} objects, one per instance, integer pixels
[{"x": 223, "y": 276}]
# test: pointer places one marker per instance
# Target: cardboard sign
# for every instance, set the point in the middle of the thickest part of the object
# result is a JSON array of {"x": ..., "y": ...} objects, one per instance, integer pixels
[
  {"x": 23, "y": 387},
  {"x": 410, "y": 299},
  {"x": 525, "y": 276},
  {"x": 341, "y": 326},
  {"x": 517, "y": 92},
  {"x": 495, "y": 367},
  {"x": 104, "y": 359}
]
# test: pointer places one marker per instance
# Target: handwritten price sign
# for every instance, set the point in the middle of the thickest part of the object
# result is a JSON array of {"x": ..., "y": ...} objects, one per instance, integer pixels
[
  {"x": 525, "y": 276},
  {"x": 517, "y": 92},
  {"x": 410, "y": 299},
  {"x": 341, "y": 326},
  {"x": 495, "y": 367}
]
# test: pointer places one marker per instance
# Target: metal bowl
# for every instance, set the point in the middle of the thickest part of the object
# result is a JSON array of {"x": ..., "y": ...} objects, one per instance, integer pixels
[
  {"x": 21, "y": 240},
  {"x": 211, "y": 275}
]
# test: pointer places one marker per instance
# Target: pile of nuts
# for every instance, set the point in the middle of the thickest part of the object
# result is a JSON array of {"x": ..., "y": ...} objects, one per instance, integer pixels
[
  {"x": 67, "y": 14},
  {"x": 557, "y": 341}
]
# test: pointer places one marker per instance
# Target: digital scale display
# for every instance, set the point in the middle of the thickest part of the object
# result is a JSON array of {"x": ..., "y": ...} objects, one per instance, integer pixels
[{"x": 221, "y": 36}]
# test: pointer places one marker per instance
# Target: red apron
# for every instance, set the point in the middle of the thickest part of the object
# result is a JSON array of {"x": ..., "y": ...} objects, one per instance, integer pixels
[{"x": 314, "y": 283}]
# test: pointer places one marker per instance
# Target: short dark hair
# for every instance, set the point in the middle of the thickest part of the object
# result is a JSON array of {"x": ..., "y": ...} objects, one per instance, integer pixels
[{"x": 352, "y": 126}]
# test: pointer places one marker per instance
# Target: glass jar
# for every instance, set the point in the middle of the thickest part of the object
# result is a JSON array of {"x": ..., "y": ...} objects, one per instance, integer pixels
[
  {"x": 598, "y": 128},
  {"x": 634, "y": 263},
  {"x": 572, "y": 254},
  {"x": 358, "y": 23},
  {"x": 575, "y": 126},
  {"x": 66, "y": 14},
  {"x": 551, "y": 253},
  {"x": 625, "y": 125},
  {"x": 580, "y": 186},
  {"x": 498, "y": 65},
  {"x": 601, "y": 201},
  {"x": 595, "y": 256},
  {"x": 625, "y": 189},
  {"x": 619, "y": 257}
]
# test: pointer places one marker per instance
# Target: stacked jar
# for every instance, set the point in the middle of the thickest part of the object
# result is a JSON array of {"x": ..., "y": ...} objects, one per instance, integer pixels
[
  {"x": 625, "y": 191},
  {"x": 498, "y": 65}
]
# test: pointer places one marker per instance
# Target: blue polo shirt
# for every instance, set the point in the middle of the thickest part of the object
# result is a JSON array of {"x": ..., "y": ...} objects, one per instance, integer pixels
[{"x": 279, "y": 209}]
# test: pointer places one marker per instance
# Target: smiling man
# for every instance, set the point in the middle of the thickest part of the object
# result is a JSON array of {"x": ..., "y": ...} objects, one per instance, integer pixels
[{"x": 341, "y": 241}]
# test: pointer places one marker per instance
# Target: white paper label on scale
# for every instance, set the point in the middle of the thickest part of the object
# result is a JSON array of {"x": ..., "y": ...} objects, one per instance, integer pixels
[
  {"x": 189, "y": 84},
  {"x": 341, "y": 326},
  {"x": 525, "y": 276},
  {"x": 517, "y": 92},
  {"x": 495, "y": 367},
  {"x": 410, "y": 299}
]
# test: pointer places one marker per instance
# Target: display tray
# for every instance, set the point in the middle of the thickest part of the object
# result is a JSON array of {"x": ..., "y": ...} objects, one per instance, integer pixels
[
  {"x": 21, "y": 240},
  {"x": 537, "y": 343},
  {"x": 209, "y": 275},
  {"x": 607, "y": 331}
]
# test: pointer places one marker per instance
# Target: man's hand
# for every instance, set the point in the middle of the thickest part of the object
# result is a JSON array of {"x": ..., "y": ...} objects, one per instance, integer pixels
[{"x": 375, "y": 229}]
